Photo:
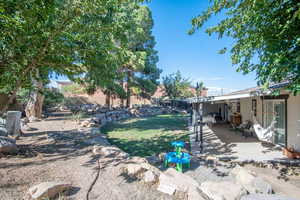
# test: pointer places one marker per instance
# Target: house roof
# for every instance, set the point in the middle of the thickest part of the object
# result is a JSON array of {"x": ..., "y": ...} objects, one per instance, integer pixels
[{"x": 253, "y": 91}]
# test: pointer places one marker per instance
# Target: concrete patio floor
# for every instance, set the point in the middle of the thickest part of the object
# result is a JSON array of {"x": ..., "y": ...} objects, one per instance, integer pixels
[{"x": 224, "y": 144}]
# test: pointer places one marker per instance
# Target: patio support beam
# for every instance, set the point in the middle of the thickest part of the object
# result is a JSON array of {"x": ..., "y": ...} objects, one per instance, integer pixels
[{"x": 201, "y": 126}]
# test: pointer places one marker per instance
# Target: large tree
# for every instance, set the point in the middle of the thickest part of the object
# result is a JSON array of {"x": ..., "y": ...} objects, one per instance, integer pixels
[
  {"x": 67, "y": 37},
  {"x": 176, "y": 86},
  {"x": 135, "y": 71},
  {"x": 266, "y": 37},
  {"x": 140, "y": 68}
]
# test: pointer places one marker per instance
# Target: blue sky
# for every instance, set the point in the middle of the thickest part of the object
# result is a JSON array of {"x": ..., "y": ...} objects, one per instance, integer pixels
[{"x": 195, "y": 56}]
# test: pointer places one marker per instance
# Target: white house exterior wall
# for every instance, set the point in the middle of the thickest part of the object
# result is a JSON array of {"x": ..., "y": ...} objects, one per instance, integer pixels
[{"x": 293, "y": 122}]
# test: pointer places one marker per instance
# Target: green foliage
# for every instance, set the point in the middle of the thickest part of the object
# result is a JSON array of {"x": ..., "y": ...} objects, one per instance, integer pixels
[
  {"x": 137, "y": 64},
  {"x": 177, "y": 86},
  {"x": 52, "y": 97},
  {"x": 78, "y": 116},
  {"x": 266, "y": 35},
  {"x": 199, "y": 88},
  {"x": 73, "y": 89},
  {"x": 23, "y": 95},
  {"x": 66, "y": 37}
]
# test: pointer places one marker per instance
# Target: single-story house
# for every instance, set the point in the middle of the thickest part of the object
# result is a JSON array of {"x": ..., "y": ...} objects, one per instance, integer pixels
[{"x": 259, "y": 106}]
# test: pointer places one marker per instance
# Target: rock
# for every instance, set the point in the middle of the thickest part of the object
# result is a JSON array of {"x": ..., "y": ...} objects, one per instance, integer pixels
[
  {"x": 250, "y": 181},
  {"x": 27, "y": 128},
  {"x": 223, "y": 190},
  {"x": 172, "y": 181},
  {"x": 33, "y": 119},
  {"x": 259, "y": 185},
  {"x": 96, "y": 131},
  {"x": 47, "y": 190},
  {"x": 98, "y": 140},
  {"x": 161, "y": 156},
  {"x": 8, "y": 145},
  {"x": 150, "y": 177},
  {"x": 166, "y": 187},
  {"x": 2, "y": 122},
  {"x": 135, "y": 169},
  {"x": 136, "y": 166},
  {"x": 13, "y": 123},
  {"x": 153, "y": 159},
  {"x": 3, "y": 132},
  {"x": 136, "y": 159},
  {"x": 110, "y": 151},
  {"x": 91, "y": 124},
  {"x": 85, "y": 123},
  {"x": 266, "y": 197}
]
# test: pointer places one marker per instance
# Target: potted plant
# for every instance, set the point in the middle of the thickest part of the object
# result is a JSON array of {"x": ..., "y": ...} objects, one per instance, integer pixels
[{"x": 291, "y": 153}]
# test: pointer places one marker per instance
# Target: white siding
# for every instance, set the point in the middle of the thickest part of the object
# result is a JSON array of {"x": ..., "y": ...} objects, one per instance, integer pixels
[{"x": 293, "y": 122}]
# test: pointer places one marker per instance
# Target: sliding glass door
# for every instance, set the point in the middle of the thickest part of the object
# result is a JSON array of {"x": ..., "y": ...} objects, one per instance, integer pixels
[{"x": 275, "y": 110}]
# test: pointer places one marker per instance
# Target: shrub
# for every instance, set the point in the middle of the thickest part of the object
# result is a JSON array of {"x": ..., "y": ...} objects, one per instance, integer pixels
[{"x": 52, "y": 97}]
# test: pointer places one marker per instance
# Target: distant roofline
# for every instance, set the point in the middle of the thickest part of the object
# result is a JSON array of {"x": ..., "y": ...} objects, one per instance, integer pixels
[
  {"x": 258, "y": 88},
  {"x": 238, "y": 94}
]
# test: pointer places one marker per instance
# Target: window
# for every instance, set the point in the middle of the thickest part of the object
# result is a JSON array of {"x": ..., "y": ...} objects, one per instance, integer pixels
[{"x": 254, "y": 107}]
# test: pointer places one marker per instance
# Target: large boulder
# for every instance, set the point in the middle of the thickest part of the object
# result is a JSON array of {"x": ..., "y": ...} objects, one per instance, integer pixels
[
  {"x": 137, "y": 166},
  {"x": 266, "y": 197},
  {"x": 112, "y": 151},
  {"x": 172, "y": 181},
  {"x": 3, "y": 132},
  {"x": 250, "y": 181},
  {"x": 153, "y": 159},
  {"x": 222, "y": 190},
  {"x": 150, "y": 177},
  {"x": 136, "y": 170},
  {"x": 13, "y": 123},
  {"x": 47, "y": 190},
  {"x": 8, "y": 145}
]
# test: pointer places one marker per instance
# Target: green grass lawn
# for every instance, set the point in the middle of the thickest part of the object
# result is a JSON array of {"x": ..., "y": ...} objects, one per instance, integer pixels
[{"x": 147, "y": 136}]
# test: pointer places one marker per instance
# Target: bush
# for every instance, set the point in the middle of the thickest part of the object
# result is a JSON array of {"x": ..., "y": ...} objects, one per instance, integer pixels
[{"x": 52, "y": 97}]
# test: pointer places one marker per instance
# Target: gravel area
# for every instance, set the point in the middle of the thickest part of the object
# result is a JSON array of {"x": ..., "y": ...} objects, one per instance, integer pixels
[{"x": 57, "y": 150}]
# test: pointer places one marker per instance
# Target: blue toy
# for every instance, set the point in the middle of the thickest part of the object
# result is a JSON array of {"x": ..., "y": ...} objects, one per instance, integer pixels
[{"x": 177, "y": 157}]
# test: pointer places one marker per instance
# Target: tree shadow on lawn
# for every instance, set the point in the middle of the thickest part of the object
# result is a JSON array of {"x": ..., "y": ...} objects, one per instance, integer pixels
[
  {"x": 137, "y": 139},
  {"x": 148, "y": 147},
  {"x": 161, "y": 122}
]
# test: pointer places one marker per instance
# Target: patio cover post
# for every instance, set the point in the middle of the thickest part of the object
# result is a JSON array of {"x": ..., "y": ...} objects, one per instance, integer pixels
[
  {"x": 201, "y": 125},
  {"x": 195, "y": 121}
]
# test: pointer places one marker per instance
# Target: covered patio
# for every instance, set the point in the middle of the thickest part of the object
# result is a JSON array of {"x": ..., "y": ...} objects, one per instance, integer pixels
[{"x": 222, "y": 143}]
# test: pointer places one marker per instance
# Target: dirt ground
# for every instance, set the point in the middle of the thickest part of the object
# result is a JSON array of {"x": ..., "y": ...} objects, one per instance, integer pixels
[{"x": 58, "y": 150}]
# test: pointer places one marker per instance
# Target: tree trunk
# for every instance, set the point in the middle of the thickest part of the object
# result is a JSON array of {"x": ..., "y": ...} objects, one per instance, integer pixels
[
  {"x": 10, "y": 100},
  {"x": 34, "y": 106},
  {"x": 122, "y": 101},
  {"x": 128, "y": 102},
  {"x": 107, "y": 99}
]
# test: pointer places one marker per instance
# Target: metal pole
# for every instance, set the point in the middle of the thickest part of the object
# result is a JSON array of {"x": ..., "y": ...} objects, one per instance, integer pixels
[
  {"x": 196, "y": 123},
  {"x": 201, "y": 126}
]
